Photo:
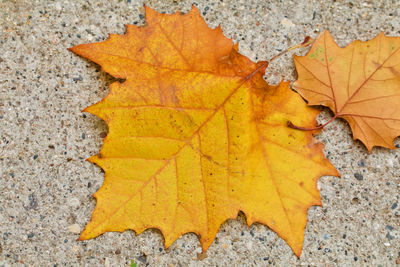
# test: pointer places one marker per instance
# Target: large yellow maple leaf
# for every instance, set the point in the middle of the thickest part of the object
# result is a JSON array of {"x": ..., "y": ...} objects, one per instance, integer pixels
[
  {"x": 196, "y": 135},
  {"x": 359, "y": 83}
]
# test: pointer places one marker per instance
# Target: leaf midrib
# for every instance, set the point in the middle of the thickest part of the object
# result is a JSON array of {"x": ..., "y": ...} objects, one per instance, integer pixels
[{"x": 173, "y": 69}]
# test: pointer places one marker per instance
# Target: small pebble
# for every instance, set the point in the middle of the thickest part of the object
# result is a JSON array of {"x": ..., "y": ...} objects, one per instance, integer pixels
[
  {"x": 201, "y": 256},
  {"x": 74, "y": 228},
  {"x": 390, "y": 163},
  {"x": 74, "y": 202},
  {"x": 389, "y": 236},
  {"x": 361, "y": 163},
  {"x": 142, "y": 258},
  {"x": 326, "y": 236},
  {"x": 358, "y": 176},
  {"x": 389, "y": 227},
  {"x": 287, "y": 22},
  {"x": 79, "y": 78}
]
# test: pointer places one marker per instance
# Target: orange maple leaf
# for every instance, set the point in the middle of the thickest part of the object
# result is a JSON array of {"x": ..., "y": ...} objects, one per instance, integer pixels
[
  {"x": 359, "y": 83},
  {"x": 196, "y": 135}
]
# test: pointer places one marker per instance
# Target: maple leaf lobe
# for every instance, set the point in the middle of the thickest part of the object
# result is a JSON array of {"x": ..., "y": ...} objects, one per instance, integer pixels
[{"x": 196, "y": 135}]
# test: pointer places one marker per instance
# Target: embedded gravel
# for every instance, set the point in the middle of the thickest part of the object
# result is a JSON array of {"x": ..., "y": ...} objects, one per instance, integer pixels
[{"x": 46, "y": 185}]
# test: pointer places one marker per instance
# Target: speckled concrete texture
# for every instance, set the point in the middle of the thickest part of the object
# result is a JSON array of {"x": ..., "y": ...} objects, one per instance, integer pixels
[{"x": 46, "y": 185}]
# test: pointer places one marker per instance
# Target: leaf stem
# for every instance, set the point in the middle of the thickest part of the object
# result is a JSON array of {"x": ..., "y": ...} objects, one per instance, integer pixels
[
  {"x": 307, "y": 41},
  {"x": 291, "y": 125}
]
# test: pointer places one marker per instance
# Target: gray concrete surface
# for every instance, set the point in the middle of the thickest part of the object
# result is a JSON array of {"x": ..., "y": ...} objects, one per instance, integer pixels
[{"x": 46, "y": 184}]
